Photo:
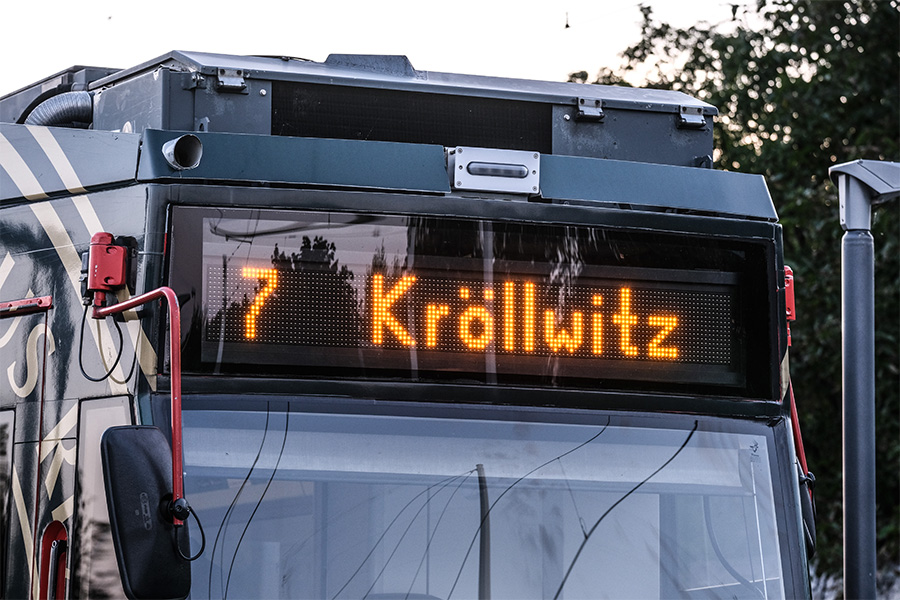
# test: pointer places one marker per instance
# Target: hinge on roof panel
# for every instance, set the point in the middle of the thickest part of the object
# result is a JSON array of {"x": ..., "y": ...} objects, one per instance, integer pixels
[
  {"x": 590, "y": 109},
  {"x": 230, "y": 80},
  {"x": 691, "y": 117},
  {"x": 191, "y": 81}
]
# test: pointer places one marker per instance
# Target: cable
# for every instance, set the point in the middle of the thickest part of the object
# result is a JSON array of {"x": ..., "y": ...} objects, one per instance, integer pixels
[
  {"x": 202, "y": 539},
  {"x": 434, "y": 533},
  {"x": 442, "y": 483},
  {"x": 81, "y": 351},
  {"x": 223, "y": 526},
  {"x": 400, "y": 541},
  {"x": 511, "y": 486},
  {"x": 615, "y": 504},
  {"x": 287, "y": 418}
]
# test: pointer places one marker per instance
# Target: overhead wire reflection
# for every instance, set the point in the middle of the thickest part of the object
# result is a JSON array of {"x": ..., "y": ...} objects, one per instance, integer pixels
[{"x": 503, "y": 493}]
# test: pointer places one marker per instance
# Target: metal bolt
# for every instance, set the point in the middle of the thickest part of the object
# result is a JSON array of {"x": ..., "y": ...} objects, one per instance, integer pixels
[
  {"x": 262, "y": 92},
  {"x": 566, "y": 118},
  {"x": 458, "y": 183},
  {"x": 460, "y": 167},
  {"x": 535, "y": 155},
  {"x": 534, "y": 189}
]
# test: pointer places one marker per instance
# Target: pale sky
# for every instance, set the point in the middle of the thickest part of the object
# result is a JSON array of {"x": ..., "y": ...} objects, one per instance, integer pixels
[{"x": 508, "y": 39}]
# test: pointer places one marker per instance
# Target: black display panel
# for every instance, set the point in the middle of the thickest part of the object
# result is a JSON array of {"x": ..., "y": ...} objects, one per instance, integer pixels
[
  {"x": 339, "y": 112},
  {"x": 337, "y": 294}
]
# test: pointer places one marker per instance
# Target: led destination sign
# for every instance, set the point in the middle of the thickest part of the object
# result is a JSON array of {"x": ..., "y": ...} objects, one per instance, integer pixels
[
  {"x": 410, "y": 297},
  {"x": 606, "y": 320}
]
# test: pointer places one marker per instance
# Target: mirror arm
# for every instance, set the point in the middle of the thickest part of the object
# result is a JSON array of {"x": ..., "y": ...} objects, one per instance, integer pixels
[{"x": 178, "y": 506}]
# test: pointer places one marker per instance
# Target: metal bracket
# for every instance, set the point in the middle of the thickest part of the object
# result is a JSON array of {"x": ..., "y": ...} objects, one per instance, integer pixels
[
  {"x": 703, "y": 162},
  {"x": 590, "y": 109},
  {"x": 15, "y": 308},
  {"x": 691, "y": 117},
  {"x": 789, "y": 303},
  {"x": 231, "y": 80},
  {"x": 494, "y": 170},
  {"x": 862, "y": 183},
  {"x": 192, "y": 81}
]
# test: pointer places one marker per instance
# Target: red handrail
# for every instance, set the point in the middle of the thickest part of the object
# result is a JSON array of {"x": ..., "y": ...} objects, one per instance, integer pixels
[{"x": 101, "y": 312}]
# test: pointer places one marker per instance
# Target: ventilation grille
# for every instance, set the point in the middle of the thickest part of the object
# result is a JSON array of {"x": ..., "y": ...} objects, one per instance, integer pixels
[{"x": 353, "y": 113}]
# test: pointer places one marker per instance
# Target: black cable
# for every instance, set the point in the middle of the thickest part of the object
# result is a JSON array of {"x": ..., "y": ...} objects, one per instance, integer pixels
[
  {"x": 287, "y": 419},
  {"x": 434, "y": 533},
  {"x": 442, "y": 483},
  {"x": 511, "y": 486},
  {"x": 81, "y": 351},
  {"x": 227, "y": 517},
  {"x": 400, "y": 541},
  {"x": 133, "y": 362},
  {"x": 615, "y": 504},
  {"x": 202, "y": 539}
]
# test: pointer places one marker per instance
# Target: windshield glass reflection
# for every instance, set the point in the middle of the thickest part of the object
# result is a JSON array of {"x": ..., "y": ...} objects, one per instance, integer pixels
[{"x": 300, "y": 505}]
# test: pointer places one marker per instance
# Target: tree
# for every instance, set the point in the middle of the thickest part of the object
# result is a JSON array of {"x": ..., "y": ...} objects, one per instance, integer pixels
[{"x": 802, "y": 85}]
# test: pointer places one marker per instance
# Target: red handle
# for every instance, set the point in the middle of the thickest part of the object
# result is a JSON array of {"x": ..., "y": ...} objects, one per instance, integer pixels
[{"x": 175, "y": 354}]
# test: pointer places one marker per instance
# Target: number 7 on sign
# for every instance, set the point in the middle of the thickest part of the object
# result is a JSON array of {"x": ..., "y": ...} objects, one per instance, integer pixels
[{"x": 270, "y": 276}]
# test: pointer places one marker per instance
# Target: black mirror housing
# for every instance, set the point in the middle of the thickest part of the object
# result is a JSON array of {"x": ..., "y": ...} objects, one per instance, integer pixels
[{"x": 137, "y": 470}]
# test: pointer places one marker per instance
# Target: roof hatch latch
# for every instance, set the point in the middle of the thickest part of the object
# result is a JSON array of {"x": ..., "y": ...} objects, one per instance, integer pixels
[
  {"x": 691, "y": 117},
  {"x": 231, "y": 80},
  {"x": 590, "y": 109}
]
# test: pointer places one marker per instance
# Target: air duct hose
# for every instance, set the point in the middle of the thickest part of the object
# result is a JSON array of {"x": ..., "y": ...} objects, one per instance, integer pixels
[{"x": 63, "y": 110}]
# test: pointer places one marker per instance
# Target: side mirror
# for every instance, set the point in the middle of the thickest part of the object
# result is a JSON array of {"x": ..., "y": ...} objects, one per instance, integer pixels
[{"x": 137, "y": 470}]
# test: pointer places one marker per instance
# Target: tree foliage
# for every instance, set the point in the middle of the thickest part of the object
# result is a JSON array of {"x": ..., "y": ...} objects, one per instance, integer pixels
[{"x": 802, "y": 85}]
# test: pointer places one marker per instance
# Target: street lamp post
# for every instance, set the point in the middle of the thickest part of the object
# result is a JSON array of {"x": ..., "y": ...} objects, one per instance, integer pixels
[{"x": 860, "y": 184}]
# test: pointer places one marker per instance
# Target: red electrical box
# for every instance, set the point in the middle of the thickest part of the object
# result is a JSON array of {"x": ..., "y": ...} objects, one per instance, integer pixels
[{"x": 107, "y": 265}]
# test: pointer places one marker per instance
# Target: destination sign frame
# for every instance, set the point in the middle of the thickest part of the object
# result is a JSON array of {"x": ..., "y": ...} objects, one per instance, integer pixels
[{"x": 462, "y": 271}]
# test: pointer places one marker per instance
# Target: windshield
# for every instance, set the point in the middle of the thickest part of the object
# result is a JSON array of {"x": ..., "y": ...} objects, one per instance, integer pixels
[{"x": 312, "y": 505}]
